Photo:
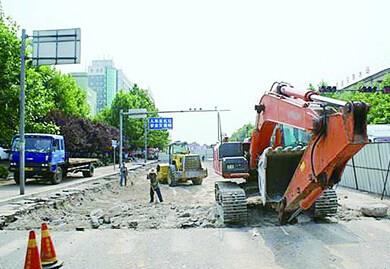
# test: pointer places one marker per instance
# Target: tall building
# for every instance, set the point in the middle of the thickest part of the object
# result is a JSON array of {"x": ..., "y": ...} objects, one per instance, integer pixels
[
  {"x": 82, "y": 81},
  {"x": 106, "y": 80}
]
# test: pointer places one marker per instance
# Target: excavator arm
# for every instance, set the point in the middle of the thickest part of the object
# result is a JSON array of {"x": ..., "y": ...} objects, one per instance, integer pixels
[{"x": 338, "y": 132}]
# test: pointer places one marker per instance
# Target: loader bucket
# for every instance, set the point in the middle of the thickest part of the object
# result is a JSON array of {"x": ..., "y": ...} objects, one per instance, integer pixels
[{"x": 275, "y": 171}]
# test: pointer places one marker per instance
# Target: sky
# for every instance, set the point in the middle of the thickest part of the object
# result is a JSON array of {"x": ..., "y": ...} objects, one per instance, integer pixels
[{"x": 208, "y": 53}]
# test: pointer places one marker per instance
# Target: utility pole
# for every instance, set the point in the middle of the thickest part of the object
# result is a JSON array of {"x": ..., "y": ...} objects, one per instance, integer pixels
[
  {"x": 146, "y": 138},
  {"x": 120, "y": 138},
  {"x": 21, "y": 111},
  {"x": 219, "y": 127}
]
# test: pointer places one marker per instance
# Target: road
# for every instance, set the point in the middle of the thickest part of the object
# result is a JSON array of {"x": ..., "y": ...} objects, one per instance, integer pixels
[
  {"x": 356, "y": 244},
  {"x": 360, "y": 242}
]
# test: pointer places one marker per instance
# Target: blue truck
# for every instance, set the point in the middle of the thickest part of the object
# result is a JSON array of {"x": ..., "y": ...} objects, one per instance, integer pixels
[{"x": 46, "y": 157}]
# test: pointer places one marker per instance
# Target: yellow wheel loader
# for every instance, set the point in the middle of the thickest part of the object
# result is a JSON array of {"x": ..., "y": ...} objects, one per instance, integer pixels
[{"x": 182, "y": 166}]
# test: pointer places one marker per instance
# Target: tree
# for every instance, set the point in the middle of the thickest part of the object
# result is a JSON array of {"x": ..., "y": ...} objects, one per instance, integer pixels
[
  {"x": 385, "y": 82},
  {"x": 66, "y": 94},
  {"x": 134, "y": 128},
  {"x": 9, "y": 79},
  {"x": 82, "y": 136},
  {"x": 242, "y": 133},
  {"x": 379, "y": 112}
]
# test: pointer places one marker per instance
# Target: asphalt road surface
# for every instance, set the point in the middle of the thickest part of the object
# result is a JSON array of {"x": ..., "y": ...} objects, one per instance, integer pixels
[{"x": 356, "y": 244}]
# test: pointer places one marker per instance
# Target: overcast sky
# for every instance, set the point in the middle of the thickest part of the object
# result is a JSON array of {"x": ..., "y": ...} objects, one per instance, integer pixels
[{"x": 208, "y": 53}]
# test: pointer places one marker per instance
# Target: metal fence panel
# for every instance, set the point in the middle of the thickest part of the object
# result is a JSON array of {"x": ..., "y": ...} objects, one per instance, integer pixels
[{"x": 369, "y": 169}]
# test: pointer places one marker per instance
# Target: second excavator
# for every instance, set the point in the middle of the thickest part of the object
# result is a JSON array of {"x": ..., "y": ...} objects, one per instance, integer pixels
[{"x": 297, "y": 152}]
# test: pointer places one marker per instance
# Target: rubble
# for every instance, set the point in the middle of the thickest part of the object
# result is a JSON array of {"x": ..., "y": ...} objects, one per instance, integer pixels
[
  {"x": 95, "y": 222},
  {"x": 375, "y": 210}
]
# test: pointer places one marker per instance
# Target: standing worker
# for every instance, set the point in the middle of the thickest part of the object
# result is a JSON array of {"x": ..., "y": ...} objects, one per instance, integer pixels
[
  {"x": 123, "y": 174},
  {"x": 154, "y": 186}
]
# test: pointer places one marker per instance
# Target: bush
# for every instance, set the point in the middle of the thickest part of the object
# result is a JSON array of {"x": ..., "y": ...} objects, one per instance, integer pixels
[{"x": 3, "y": 172}]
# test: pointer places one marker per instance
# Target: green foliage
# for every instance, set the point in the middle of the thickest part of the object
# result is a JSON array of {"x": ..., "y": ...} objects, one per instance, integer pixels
[
  {"x": 242, "y": 133},
  {"x": 83, "y": 138},
  {"x": 3, "y": 172},
  {"x": 65, "y": 93},
  {"x": 134, "y": 128},
  {"x": 379, "y": 112},
  {"x": 386, "y": 81}
]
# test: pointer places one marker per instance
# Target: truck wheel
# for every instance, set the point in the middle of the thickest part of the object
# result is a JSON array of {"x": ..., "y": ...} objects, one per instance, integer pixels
[
  {"x": 17, "y": 178},
  {"x": 197, "y": 181},
  {"x": 64, "y": 173},
  {"x": 89, "y": 173},
  {"x": 56, "y": 177}
]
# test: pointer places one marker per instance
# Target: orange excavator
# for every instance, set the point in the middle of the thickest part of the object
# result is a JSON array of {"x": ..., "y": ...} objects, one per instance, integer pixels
[{"x": 300, "y": 146}]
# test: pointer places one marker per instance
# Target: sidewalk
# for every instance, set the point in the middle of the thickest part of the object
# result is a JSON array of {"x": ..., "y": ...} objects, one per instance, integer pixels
[
  {"x": 355, "y": 200},
  {"x": 10, "y": 191}
]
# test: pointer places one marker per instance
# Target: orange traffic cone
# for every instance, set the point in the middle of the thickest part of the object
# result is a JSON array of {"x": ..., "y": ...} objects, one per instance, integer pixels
[
  {"x": 32, "y": 260},
  {"x": 48, "y": 254}
]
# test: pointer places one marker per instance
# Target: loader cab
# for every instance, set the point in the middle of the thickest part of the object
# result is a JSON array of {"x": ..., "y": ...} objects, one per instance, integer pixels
[{"x": 177, "y": 150}]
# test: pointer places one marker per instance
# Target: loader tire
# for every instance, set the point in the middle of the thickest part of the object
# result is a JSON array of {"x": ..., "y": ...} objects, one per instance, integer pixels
[{"x": 197, "y": 181}]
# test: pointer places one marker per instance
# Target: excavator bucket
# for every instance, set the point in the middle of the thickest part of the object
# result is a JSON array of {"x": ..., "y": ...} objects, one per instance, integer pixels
[
  {"x": 275, "y": 171},
  {"x": 276, "y": 167}
]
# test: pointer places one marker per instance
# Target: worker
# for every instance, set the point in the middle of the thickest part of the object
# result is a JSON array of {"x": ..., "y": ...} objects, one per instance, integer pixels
[
  {"x": 154, "y": 186},
  {"x": 123, "y": 174}
]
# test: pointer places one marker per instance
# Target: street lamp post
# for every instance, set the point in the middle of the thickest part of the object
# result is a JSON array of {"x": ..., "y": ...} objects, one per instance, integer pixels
[{"x": 21, "y": 111}]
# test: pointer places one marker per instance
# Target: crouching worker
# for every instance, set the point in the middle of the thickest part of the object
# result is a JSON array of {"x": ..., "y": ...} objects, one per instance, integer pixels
[{"x": 154, "y": 186}]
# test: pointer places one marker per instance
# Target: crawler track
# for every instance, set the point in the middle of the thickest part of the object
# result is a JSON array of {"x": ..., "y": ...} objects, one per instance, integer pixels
[
  {"x": 231, "y": 203},
  {"x": 326, "y": 204}
]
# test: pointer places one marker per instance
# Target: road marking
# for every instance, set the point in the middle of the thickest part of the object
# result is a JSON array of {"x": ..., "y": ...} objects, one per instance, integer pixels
[{"x": 284, "y": 231}]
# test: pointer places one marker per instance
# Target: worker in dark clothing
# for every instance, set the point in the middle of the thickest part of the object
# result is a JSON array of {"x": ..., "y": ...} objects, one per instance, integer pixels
[
  {"x": 154, "y": 186},
  {"x": 124, "y": 173}
]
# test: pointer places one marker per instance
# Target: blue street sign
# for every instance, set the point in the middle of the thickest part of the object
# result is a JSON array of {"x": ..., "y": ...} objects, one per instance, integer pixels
[{"x": 160, "y": 123}]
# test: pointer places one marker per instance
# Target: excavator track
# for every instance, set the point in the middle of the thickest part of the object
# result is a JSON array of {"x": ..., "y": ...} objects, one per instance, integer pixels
[
  {"x": 326, "y": 204},
  {"x": 231, "y": 203}
]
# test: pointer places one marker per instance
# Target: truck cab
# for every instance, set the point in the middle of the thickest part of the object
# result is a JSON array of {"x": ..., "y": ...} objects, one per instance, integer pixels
[{"x": 44, "y": 156}]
